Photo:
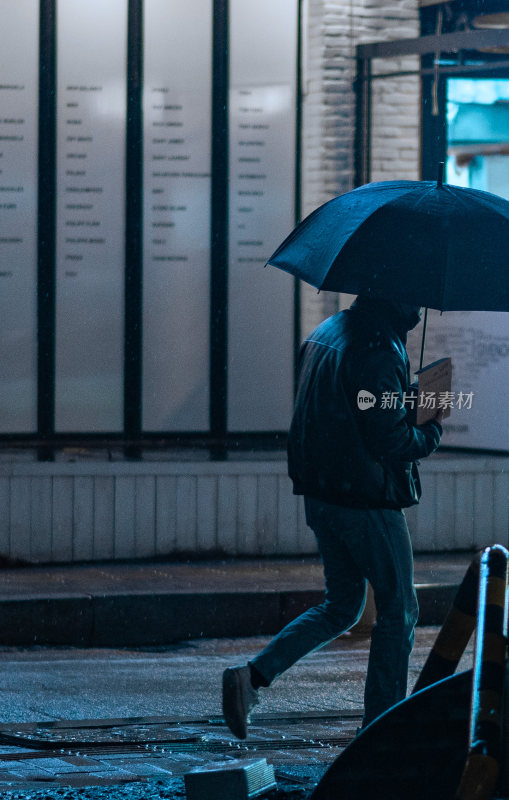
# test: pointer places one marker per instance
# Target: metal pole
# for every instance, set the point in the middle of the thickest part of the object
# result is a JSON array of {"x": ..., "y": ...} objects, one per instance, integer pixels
[
  {"x": 363, "y": 122},
  {"x": 133, "y": 352},
  {"x": 424, "y": 324},
  {"x": 219, "y": 228},
  {"x": 485, "y": 743},
  {"x": 46, "y": 230}
]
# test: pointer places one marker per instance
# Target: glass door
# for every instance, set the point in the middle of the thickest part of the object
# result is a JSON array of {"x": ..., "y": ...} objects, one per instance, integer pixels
[{"x": 478, "y": 134}]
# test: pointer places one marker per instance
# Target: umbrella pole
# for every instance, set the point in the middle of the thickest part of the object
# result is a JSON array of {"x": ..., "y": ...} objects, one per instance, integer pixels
[{"x": 423, "y": 335}]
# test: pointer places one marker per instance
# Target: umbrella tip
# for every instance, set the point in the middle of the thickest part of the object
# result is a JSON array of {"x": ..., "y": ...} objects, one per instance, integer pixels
[{"x": 440, "y": 173}]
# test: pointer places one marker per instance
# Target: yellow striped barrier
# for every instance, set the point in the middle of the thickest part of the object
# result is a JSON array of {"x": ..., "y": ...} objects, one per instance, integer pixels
[{"x": 455, "y": 632}]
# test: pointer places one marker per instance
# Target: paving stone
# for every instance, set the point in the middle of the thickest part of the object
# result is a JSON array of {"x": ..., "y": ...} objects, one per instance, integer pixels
[
  {"x": 80, "y": 760},
  {"x": 104, "y": 766},
  {"x": 61, "y": 765},
  {"x": 121, "y": 756},
  {"x": 5, "y": 775},
  {"x": 33, "y": 775},
  {"x": 146, "y": 770},
  {"x": 113, "y": 775}
]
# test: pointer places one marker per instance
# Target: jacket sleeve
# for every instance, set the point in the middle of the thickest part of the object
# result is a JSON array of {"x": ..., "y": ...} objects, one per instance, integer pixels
[{"x": 385, "y": 426}]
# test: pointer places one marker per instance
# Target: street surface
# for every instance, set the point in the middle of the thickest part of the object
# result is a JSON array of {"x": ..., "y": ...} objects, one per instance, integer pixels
[{"x": 302, "y": 723}]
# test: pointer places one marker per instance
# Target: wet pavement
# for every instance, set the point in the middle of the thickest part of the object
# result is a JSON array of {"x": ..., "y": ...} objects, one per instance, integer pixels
[
  {"x": 119, "y": 696},
  {"x": 128, "y": 724}
]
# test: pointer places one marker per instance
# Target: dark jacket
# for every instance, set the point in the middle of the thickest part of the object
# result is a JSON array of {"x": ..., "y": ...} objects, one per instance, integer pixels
[{"x": 346, "y": 455}]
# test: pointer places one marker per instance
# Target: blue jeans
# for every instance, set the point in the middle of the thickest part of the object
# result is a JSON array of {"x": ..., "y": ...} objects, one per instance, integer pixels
[{"x": 356, "y": 546}]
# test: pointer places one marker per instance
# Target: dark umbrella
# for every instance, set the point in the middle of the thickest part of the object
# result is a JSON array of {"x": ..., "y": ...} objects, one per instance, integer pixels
[{"x": 418, "y": 242}]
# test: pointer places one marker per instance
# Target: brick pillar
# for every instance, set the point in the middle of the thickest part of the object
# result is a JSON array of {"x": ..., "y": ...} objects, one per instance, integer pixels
[{"x": 332, "y": 29}]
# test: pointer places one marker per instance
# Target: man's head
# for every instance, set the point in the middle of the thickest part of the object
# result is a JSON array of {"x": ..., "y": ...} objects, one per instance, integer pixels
[
  {"x": 409, "y": 313},
  {"x": 403, "y": 316}
]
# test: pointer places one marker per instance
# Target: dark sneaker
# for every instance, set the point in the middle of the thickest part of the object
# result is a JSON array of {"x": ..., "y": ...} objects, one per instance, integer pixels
[{"x": 239, "y": 698}]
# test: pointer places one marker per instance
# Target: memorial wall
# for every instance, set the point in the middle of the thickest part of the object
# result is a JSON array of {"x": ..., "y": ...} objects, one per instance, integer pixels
[
  {"x": 91, "y": 129},
  {"x": 262, "y": 172},
  {"x": 19, "y": 81},
  {"x": 177, "y": 111}
]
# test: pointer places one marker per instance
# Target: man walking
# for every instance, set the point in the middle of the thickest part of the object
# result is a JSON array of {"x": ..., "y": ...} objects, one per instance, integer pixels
[{"x": 352, "y": 449}]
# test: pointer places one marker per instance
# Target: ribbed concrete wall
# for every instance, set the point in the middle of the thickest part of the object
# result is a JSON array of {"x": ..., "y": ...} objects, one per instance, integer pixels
[
  {"x": 89, "y": 511},
  {"x": 465, "y": 504},
  {"x": 95, "y": 510}
]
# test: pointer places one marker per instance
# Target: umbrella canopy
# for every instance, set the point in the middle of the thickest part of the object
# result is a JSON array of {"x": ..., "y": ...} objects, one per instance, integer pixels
[{"x": 419, "y": 242}]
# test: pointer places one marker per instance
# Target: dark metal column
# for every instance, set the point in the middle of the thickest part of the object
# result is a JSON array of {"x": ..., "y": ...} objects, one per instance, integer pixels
[
  {"x": 46, "y": 227},
  {"x": 434, "y": 126},
  {"x": 219, "y": 225},
  {"x": 298, "y": 195},
  {"x": 134, "y": 225},
  {"x": 363, "y": 122}
]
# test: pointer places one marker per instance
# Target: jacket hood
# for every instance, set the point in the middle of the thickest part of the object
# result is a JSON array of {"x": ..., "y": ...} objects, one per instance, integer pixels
[{"x": 402, "y": 317}]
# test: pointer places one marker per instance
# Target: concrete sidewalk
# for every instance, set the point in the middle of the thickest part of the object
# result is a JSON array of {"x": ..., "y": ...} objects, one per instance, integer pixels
[{"x": 155, "y": 603}]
